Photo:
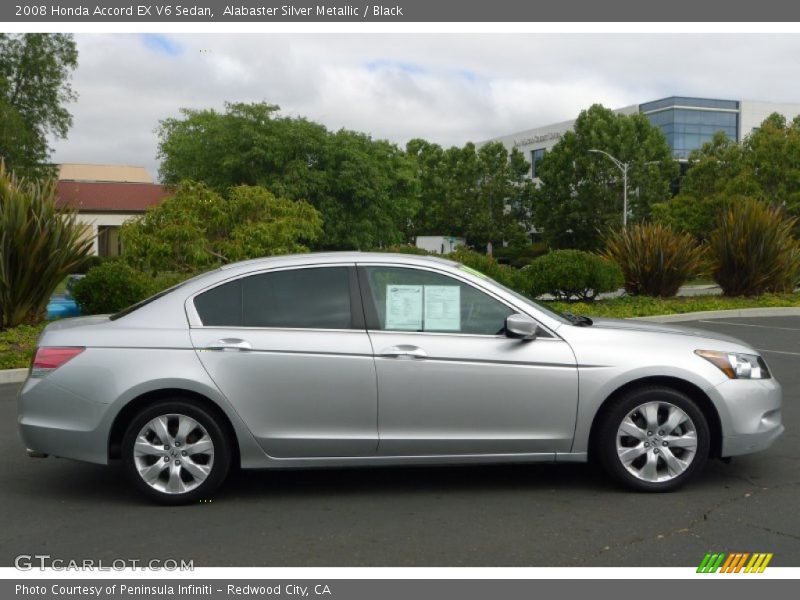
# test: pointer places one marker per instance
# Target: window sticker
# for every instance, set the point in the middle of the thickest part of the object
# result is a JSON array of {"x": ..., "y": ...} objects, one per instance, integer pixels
[
  {"x": 442, "y": 308},
  {"x": 404, "y": 307}
]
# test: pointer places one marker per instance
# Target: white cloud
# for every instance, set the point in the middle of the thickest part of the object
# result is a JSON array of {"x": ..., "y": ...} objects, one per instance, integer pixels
[{"x": 449, "y": 89}]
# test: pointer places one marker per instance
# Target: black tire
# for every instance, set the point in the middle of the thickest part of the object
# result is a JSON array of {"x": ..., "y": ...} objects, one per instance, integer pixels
[
  {"x": 605, "y": 439},
  {"x": 219, "y": 461}
]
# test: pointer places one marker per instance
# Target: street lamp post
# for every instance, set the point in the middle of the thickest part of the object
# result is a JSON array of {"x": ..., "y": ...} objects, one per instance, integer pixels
[{"x": 622, "y": 166}]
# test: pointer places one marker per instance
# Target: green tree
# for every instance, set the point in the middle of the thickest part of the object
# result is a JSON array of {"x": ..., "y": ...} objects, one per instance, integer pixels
[
  {"x": 35, "y": 71},
  {"x": 766, "y": 166},
  {"x": 39, "y": 246},
  {"x": 436, "y": 205},
  {"x": 369, "y": 193},
  {"x": 364, "y": 188},
  {"x": 771, "y": 164},
  {"x": 703, "y": 191},
  {"x": 481, "y": 194},
  {"x": 196, "y": 228},
  {"x": 580, "y": 196}
]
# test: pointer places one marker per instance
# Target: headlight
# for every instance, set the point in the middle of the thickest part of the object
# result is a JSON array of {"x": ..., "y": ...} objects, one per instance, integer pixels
[{"x": 737, "y": 365}]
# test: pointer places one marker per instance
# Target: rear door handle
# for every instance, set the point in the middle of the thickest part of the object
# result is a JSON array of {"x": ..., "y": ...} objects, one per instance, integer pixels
[
  {"x": 230, "y": 344},
  {"x": 404, "y": 351}
]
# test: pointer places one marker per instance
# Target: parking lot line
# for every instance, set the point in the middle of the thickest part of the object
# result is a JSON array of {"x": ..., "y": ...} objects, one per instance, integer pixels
[
  {"x": 778, "y": 351},
  {"x": 717, "y": 322}
]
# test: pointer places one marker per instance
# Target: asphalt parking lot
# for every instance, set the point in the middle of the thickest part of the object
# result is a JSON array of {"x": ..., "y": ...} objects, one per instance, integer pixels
[{"x": 527, "y": 515}]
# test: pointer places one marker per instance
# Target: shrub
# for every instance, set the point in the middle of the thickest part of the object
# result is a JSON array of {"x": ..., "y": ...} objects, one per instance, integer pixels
[
  {"x": 90, "y": 263},
  {"x": 753, "y": 251},
  {"x": 520, "y": 256},
  {"x": 488, "y": 266},
  {"x": 655, "y": 260},
  {"x": 571, "y": 275},
  {"x": 114, "y": 285},
  {"x": 109, "y": 288},
  {"x": 39, "y": 246},
  {"x": 644, "y": 306},
  {"x": 405, "y": 249}
]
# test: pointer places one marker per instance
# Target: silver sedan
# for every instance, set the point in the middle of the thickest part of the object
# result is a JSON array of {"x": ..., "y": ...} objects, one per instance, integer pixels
[{"x": 357, "y": 359}]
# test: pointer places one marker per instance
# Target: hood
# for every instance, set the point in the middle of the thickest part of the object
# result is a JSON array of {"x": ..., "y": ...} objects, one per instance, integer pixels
[{"x": 649, "y": 326}]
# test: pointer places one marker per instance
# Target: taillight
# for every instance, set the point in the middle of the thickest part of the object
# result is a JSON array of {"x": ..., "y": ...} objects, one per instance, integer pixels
[{"x": 48, "y": 360}]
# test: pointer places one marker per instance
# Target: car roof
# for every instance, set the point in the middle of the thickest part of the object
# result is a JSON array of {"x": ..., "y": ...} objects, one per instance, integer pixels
[{"x": 329, "y": 257}]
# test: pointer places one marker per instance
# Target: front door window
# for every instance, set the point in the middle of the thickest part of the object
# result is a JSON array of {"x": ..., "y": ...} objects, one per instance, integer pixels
[{"x": 415, "y": 300}]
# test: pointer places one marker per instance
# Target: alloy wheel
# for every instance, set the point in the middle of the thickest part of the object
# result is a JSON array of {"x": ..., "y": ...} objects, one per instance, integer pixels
[
  {"x": 173, "y": 453},
  {"x": 656, "y": 442}
]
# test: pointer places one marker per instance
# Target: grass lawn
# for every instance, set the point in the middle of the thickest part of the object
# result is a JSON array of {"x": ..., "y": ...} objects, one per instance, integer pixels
[
  {"x": 644, "y": 306},
  {"x": 17, "y": 345}
]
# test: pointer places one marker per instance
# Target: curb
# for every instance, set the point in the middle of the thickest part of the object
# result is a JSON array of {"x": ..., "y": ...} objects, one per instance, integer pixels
[
  {"x": 780, "y": 311},
  {"x": 13, "y": 375}
]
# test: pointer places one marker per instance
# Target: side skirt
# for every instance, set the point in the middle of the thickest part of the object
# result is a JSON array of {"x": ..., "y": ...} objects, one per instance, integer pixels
[{"x": 380, "y": 461}]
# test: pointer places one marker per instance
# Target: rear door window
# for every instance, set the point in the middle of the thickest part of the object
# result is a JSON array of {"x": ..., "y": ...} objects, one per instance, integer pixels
[{"x": 315, "y": 298}]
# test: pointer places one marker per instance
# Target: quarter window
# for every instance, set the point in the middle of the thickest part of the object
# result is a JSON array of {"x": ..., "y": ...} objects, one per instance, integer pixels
[
  {"x": 221, "y": 306},
  {"x": 296, "y": 298},
  {"x": 416, "y": 300}
]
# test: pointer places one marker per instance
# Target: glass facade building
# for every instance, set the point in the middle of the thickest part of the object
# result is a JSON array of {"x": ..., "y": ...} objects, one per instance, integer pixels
[
  {"x": 688, "y": 123},
  {"x": 536, "y": 157}
]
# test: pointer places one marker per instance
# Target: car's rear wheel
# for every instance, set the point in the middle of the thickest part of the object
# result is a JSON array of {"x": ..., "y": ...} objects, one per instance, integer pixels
[
  {"x": 176, "y": 452},
  {"x": 653, "y": 439}
]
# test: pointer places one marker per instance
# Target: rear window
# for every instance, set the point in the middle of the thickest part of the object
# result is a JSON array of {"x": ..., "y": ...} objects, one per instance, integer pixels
[{"x": 146, "y": 301}]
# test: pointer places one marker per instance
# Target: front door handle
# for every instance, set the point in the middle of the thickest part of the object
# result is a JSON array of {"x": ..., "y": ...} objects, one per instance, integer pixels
[
  {"x": 234, "y": 344},
  {"x": 404, "y": 351}
]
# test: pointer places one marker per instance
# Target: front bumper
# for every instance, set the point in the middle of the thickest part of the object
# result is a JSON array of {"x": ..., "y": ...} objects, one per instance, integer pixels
[{"x": 750, "y": 415}]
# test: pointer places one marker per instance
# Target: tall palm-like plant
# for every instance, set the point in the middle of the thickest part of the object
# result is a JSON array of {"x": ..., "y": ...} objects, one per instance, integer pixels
[
  {"x": 753, "y": 250},
  {"x": 40, "y": 244},
  {"x": 655, "y": 260}
]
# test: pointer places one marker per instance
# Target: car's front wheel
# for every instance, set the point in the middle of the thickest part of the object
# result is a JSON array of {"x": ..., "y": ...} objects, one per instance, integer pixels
[
  {"x": 175, "y": 452},
  {"x": 653, "y": 439}
]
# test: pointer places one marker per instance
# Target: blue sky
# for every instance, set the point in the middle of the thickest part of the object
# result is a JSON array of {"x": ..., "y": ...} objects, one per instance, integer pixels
[{"x": 163, "y": 44}]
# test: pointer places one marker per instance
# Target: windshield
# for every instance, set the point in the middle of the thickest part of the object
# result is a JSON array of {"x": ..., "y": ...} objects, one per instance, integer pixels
[{"x": 538, "y": 305}]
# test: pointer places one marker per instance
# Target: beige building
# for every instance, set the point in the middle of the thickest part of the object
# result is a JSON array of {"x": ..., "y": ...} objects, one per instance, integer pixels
[{"x": 106, "y": 196}]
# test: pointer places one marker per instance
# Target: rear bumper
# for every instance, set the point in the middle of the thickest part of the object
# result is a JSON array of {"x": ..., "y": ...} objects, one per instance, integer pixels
[{"x": 54, "y": 421}]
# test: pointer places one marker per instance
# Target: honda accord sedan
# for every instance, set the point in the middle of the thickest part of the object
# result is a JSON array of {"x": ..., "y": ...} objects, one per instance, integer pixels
[{"x": 366, "y": 359}]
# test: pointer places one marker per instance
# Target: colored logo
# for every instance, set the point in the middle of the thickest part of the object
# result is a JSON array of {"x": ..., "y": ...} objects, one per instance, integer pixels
[{"x": 735, "y": 562}]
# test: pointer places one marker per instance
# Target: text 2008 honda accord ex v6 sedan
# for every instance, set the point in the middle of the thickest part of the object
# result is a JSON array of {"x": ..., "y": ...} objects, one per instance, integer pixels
[{"x": 344, "y": 359}]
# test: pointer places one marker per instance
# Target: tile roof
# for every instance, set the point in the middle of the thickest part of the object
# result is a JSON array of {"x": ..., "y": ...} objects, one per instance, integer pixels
[{"x": 109, "y": 196}]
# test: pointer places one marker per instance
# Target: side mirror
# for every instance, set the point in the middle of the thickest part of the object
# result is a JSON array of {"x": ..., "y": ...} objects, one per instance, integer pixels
[{"x": 521, "y": 327}]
